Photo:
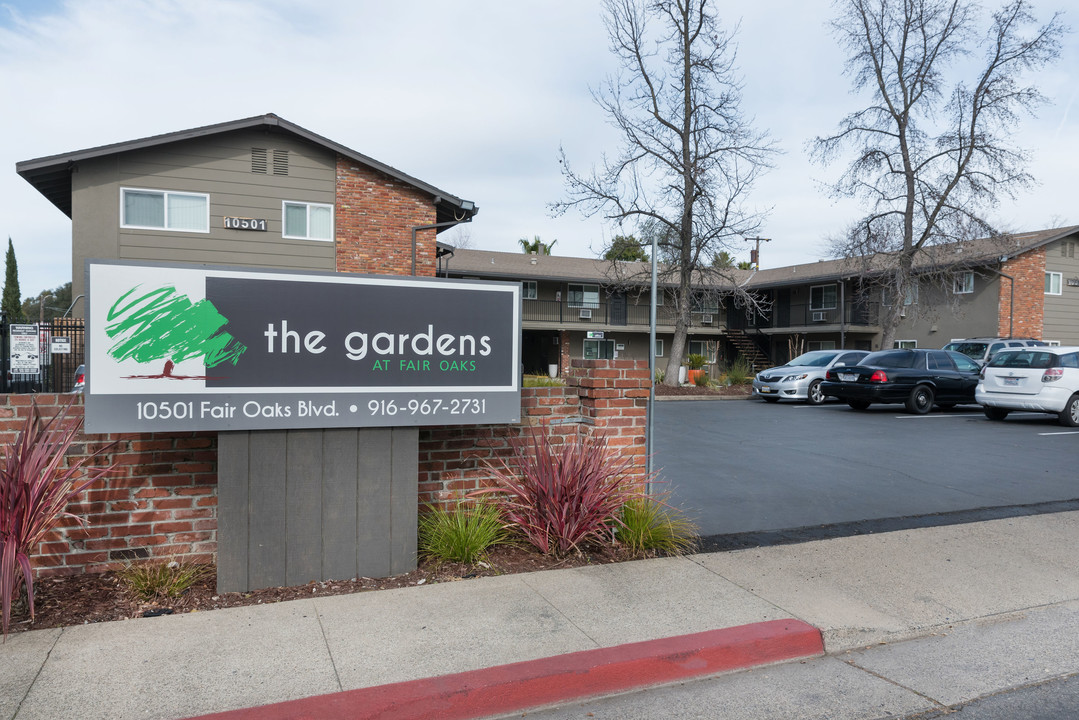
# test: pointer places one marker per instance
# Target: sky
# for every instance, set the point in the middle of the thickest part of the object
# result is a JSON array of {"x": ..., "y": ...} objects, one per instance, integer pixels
[{"x": 474, "y": 97}]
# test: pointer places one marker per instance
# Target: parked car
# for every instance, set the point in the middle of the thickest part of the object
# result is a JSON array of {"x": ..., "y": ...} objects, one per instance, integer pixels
[
  {"x": 980, "y": 350},
  {"x": 800, "y": 378},
  {"x": 1044, "y": 379},
  {"x": 80, "y": 379},
  {"x": 918, "y": 378}
]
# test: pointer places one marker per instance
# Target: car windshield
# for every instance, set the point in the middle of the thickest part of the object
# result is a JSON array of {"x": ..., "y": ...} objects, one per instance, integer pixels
[
  {"x": 1023, "y": 359},
  {"x": 817, "y": 358},
  {"x": 970, "y": 349},
  {"x": 890, "y": 359}
]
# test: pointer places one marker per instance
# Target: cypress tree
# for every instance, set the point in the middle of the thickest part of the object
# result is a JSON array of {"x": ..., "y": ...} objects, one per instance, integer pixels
[{"x": 12, "y": 300}]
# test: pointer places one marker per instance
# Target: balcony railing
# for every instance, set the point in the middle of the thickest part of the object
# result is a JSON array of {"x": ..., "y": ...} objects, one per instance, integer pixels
[
  {"x": 606, "y": 313},
  {"x": 805, "y": 315}
]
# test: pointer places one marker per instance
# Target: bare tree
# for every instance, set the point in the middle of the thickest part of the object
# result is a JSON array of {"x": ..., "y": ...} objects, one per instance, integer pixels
[
  {"x": 689, "y": 156},
  {"x": 932, "y": 150}
]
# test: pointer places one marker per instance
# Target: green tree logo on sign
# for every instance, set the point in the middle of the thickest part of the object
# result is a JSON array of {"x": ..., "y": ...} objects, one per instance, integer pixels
[{"x": 165, "y": 325}]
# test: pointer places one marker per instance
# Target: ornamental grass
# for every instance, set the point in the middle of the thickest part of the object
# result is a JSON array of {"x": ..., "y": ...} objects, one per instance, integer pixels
[
  {"x": 35, "y": 488},
  {"x": 562, "y": 495},
  {"x": 462, "y": 533}
]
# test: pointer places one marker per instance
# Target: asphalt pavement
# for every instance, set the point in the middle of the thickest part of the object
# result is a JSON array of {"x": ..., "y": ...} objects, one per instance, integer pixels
[{"x": 931, "y": 616}]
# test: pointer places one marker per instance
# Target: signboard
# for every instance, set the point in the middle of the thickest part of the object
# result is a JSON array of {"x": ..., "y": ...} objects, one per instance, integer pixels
[
  {"x": 594, "y": 334},
  {"x": 60, "y": 346},
  {"x": 182, "y": 347},
  {"x": 25, "y": 351}
]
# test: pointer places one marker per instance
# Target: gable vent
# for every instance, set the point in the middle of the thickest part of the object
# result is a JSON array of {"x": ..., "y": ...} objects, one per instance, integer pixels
[
  {"x": 258, "y": 160},
  {"x": 280, "y": 162}
]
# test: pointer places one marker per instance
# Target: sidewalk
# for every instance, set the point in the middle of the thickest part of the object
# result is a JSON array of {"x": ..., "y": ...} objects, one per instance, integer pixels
[{"x": 858, "y": 591}]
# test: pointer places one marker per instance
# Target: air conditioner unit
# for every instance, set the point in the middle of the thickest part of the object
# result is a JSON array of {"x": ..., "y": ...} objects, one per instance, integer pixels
[
  {"x": 586, "y": 315},
  {"x": 819, "y": 316},
  {"x": 706, "y": 319}
]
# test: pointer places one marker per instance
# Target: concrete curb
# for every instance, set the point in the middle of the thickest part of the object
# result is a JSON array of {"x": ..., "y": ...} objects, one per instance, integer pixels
[
  {"x": 701, "y": 398},
  {"x": 518, "y": 686}
]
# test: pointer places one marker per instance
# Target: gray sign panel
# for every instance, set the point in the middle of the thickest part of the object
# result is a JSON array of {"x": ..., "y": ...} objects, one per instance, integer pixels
[{"x": 173, "y": 347}]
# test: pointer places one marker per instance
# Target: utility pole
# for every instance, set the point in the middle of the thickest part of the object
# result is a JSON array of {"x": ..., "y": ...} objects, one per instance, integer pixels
[{"x": 755, "y": 253}]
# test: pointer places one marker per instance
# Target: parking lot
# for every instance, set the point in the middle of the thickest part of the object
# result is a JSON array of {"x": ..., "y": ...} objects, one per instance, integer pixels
[{"x": 751, "y": 467}]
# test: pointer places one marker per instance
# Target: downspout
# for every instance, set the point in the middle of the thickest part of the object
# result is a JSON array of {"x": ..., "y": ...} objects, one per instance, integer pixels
[
  {"x": 415, "y": 228},
  {"x": 842, "y": 314}
]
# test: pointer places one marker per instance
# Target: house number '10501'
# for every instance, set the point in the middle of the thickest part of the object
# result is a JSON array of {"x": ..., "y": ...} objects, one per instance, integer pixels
[{"x": 238, "y": 223}]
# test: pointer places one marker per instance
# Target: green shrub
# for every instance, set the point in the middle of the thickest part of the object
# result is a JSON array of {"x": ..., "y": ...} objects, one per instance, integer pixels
[
  {"x": 463, "y": 532},
  {"x": 156, "y": 580},
  {"x": 738, "y": 372},
  {"x": 695, "y": 361},
  {"x": 660, "y": 376},
  {"x": 560, "y": 496},
  {"x": 701, "y": 380},
  {"x": 35, "y": 487},
  {"x": 650, "y": 525}
]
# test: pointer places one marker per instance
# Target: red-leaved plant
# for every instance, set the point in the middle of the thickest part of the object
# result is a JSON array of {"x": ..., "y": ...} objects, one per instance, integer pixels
[
  {"x": 35, "y": 489},
  {"x": 562, "y": 495}
]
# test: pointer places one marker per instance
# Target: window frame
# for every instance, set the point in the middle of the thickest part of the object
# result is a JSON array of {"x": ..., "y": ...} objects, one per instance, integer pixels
[
  {"x": 659, "y": 347},
  {"x": 904, "y": 345},
  {"x": 307, "y": 229},
  {"x": 165, "y": 199},
  {"x": 1050, "y": 277},
  {"x": 823, "y": 306},
  {"x": 529, "y": 290},
  {"x": 599, "y": 343},
  {"x": 963, "y": 283},
  {"x": 584, "y": 302}
]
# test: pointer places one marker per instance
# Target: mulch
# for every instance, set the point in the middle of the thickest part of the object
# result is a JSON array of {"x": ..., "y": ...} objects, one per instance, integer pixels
[
  {"x": 695, "y": 391},
  {"x": 101, "y": 597}
]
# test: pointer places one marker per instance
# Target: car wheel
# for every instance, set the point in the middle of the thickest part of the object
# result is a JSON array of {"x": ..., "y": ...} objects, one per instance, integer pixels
[
  {"x": 1070, "y": 414},
  {"x": 814, "y": 396},
  {"x": 858, "y": 404},
  {"x": 995, "y": 413},
  {"x": 770, "y": 400},
  {"x": 920, "y": 400}
]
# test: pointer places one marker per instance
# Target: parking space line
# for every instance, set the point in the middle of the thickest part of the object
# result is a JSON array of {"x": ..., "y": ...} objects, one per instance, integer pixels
[
  {"x": 1062, "y": 432},
  {"x": 949, "y": 415}
]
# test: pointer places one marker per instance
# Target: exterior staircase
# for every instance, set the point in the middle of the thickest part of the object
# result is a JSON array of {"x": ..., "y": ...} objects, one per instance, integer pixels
[{"x": 748, "y": 349}]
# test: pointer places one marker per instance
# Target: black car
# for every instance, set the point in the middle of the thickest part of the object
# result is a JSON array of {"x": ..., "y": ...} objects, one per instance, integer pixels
[{"x": 917, "y": 378}]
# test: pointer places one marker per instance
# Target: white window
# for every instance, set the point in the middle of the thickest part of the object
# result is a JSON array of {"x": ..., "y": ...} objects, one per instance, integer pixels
[
  {"x": 963, "y": 283},
  {"x": 164, "y": 210},
  {"x": 911, "y": 344},
  {"x": 822, "y": 297},
  {"x": 1053, "y": 282},
  {"x": 1052, "y": 343},
  {"x": 659, "y": 347},
  {"x": 911, "y": 295},
  {"x": 306, "y": 221},
  {"x": 599, "y": 349},
  {"x": 583, "y": 296},
  {"x": 528, "y": 289},
  {"x": 706, "y": 303},
  {"x": 702, "y": 347}
]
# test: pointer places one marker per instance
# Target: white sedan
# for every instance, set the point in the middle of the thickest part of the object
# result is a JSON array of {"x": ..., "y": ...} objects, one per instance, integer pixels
[
  {"x": 800, "y": 379},
  {"x": 1042, "y": 379}
]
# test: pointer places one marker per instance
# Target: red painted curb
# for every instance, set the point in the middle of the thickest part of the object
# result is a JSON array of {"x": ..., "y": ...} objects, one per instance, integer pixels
[{"x": 507, "y": 688}]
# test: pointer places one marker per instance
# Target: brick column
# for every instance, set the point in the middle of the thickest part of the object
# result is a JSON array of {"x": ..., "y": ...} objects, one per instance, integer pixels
[
  {"x": 1028, "y": 270},
  {"x": 614, "y": 395}
]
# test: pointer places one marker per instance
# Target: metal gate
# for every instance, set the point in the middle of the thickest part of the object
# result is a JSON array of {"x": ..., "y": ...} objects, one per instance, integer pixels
[{"x": 56, "y": 368}]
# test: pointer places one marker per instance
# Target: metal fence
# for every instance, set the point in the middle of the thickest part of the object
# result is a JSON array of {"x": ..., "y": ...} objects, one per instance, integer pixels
[{"x": 56, "y": 368}]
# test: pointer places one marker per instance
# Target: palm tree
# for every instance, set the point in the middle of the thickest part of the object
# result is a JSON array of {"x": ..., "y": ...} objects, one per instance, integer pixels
[{"x": 536, "y": 246}]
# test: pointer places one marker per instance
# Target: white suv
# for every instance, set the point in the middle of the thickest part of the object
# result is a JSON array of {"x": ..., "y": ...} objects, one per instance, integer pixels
[{"x": 1038, "y": 379}]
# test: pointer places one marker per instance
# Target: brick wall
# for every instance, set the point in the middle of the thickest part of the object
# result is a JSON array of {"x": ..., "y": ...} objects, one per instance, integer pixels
[
  {"x": 161, "y": 501},
  {"x": 608, "y": 396},
  {"x": 1028, "y": 270},
  {"x": 374, "y": 217}
]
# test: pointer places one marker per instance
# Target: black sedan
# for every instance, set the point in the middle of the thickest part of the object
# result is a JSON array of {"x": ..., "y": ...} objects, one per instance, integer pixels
[{"x": 917, "y": 378}]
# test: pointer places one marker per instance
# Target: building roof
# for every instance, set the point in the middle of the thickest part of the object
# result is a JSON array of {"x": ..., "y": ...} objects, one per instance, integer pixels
[
  {"x": 517, "y": 266},
  {"x": 52, "y": 175}
]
